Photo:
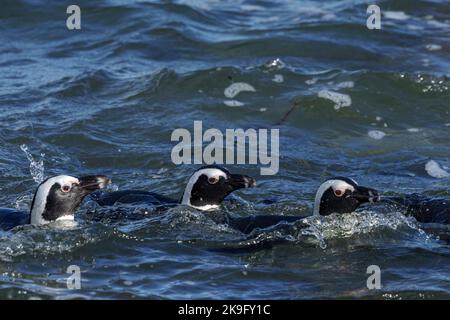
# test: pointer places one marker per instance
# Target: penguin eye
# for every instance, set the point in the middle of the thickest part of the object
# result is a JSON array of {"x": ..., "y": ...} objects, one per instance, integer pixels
[
  {"x": 66, "y": 188},
  {"x": 213, "y": 180},
  {"x": 338, "y": 193}
]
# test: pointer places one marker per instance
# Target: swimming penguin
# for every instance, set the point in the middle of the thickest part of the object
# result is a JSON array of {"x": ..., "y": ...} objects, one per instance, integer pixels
[
  {"x": 56, "y": 198},
  {"x": 209, "y": 185},
  {"x": 205, "y": 190},
  {"x": 335, "y": 195},
  {"x": 424, "y": 210}
]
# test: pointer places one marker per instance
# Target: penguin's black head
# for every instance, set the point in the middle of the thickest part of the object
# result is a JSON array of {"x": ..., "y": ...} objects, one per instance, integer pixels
[
  {"x": 58, "y": 197},
  {"x": 209, "y": 186},
  {"x": 342, "y": 195}
]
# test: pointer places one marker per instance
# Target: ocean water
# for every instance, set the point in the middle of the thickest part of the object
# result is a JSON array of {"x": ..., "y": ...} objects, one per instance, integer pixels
[{"x": 369, "y": 104}]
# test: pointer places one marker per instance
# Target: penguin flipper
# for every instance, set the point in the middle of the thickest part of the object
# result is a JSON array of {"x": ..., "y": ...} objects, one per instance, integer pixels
[{"x": 10, "y": 218}]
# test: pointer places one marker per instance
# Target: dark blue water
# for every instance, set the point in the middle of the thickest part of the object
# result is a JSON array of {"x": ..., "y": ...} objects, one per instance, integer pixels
[{"x": 105, "y": 99}]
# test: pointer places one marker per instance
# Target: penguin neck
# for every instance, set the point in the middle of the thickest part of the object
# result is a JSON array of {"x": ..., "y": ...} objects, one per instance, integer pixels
[
  {"x": 44, "y": 209},
  {"x": 319, "y": 195},
  {"x": 37, "y": 214},
  {"x": 38, "y": 207},
  {"x": 188, "y": 200}
]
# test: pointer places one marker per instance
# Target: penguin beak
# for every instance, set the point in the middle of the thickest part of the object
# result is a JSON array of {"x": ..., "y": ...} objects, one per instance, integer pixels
[
  {"x": 92, "y": 183},
  {"x": 364, "y": 194},
  {"x": 239, "y": 181}
]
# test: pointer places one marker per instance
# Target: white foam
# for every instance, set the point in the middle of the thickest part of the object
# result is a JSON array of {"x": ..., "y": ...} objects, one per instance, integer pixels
[
  {"x": 233, "y": 103},
  {"x": 434, "y": 169},
  {"x": 376, "y": 134},
  {"x": 414, "y": 130},
  {"x": 414, "y": 27},
  {"x": 438, "y": 24},
  {"x": 278, "y": 78},
  {"x": 345, "y": 85},
  {"x": 396, "y": 15},
  {"x": 237, "y": 87},
  {"x": 341, "y": 100},
  {"x": 433, "y": 47},
  {"x": 276, "y": 63}
]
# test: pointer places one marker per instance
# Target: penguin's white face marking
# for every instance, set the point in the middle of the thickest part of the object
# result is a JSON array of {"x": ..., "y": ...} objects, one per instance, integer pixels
[
  {"x": 40, "y": 201},
  {"x": 209, "y": 186}
]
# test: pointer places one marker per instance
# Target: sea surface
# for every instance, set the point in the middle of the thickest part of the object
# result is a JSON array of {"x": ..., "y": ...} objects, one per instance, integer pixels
[{"x": 373, "y": 105}]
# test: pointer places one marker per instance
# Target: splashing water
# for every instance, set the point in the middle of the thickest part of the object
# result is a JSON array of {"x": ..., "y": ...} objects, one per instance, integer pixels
[
  {"x": 124, "y": 253},
  {"x": 50, "y": 239},
  {"x": 435, "y": 170},
  {"x": 36, "y": 167},
  {"x": 347, "y": 225},
  {"x": 23, "y": 202}
]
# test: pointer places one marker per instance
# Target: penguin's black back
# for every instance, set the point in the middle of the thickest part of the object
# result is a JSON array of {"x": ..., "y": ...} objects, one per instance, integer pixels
[
  {"x": 425, "y": 210},
  {"x": 248, "y": 224},
  {"x": 132, "y": 197},
  {"x": 10, "y": 218}
]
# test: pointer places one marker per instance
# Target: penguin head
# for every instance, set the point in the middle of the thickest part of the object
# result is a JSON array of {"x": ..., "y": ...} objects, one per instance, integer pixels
[
  {"x": 58, "y": 197},
  {"x": 342, "y": 195},
  {"x": 209, "y": 186}
]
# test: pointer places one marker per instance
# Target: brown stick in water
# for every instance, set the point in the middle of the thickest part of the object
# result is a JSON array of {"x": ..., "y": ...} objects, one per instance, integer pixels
[{"x": 294, "y": 105}]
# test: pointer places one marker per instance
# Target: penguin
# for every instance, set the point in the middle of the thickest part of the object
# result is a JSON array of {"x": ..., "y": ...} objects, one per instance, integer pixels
[
  {"x": 336, "y": 195},
  {"x": 423, "y": 209},
  {"x": 55, "y": 199},
  {"x": 206, "y": 190}
]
